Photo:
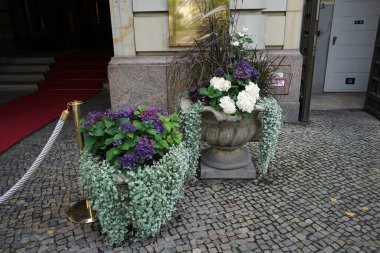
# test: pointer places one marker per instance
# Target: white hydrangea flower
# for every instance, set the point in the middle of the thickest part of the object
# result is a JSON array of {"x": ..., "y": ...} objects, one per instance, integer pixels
[
  {"x": 245, "y": 29},
  {"x": 228, "y": 105},
  {"x": 235, "y": 43},
  {"x": 241, "y": 34},
  {"x": 253, "y": 90},
  {"x": 245, "y": 101},
  {"x": 219, "y": 83}
]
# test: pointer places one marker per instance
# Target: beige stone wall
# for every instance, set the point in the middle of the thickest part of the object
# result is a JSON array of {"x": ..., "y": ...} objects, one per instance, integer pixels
[
  {"x": 141, "y": 27},
  {"x": 293, "y": 24}
]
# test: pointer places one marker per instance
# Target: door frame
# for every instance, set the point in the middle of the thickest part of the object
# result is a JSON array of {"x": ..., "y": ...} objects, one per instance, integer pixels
[
  {"x": 307, "y": 48},
  {"x": 372, "y": 103}
]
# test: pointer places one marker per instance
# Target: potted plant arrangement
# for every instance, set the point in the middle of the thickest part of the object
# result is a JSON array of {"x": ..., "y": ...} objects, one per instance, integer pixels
[
  {"x": 231, "y": 79},
  {"x": 134, "y": 165}
]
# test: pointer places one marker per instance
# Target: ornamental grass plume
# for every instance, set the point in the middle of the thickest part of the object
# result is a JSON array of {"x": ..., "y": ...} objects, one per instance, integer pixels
[{"x": 222, "y": 64}]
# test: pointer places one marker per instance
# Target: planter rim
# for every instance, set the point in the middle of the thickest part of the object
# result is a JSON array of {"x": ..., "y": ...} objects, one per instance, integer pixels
[{"x": 185, "y": 104}]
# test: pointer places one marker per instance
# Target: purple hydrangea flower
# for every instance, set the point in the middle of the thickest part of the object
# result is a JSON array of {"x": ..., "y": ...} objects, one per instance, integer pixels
[
  {"x": 218, "y": 72},
  {"x": 162, "y": 112},
  {"x": 117, "y": 143},
  {"x": 244, "y": 71},
  {"x": 92, "y": 118},
  {"x": 127, "y": 127},
  {"x": 157, "y": 123},
  {"x": 94, "y": 115},
  {"x": 111, "y": 114},
  {"x": 255, "y": 74},
  {"x": 125, "y": 113},
  {"x": 129, "y": 161},
  {"x": 145, "y": 148},
  {"x": 150, "y": 113},
  {"x": 133, "y": 109}
]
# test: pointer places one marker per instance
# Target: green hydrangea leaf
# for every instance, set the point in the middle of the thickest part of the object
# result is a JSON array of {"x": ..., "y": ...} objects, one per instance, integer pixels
[
  {"x": 89, "y": 141},
  {"x": 118, "y": 136}
]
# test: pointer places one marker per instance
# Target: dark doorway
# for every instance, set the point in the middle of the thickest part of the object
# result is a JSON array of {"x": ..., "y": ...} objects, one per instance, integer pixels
[{"x": 55, "y": 25}]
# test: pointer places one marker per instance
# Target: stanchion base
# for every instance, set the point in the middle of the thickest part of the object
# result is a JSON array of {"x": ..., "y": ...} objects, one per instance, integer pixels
[{"x": 79, "y": 213}]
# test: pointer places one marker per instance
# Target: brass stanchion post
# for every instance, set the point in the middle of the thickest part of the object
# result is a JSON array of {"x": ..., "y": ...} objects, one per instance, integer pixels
[{"x": 80, "y": 212}]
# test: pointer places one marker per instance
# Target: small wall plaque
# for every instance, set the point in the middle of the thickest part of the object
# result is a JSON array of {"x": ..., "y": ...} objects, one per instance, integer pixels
[
  {"x": 350, "y": 80},
  {"x": 359, "y": 22},
  {"x": 281, "y": 82}
]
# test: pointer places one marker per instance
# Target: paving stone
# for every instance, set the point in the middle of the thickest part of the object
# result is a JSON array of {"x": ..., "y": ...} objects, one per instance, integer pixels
[{"x": 335, "y": 155}]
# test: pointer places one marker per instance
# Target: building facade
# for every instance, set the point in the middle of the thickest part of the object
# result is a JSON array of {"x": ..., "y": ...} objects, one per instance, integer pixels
[
  {"x": 138, "y": 71},
  {"x": 138, "y": 31}
]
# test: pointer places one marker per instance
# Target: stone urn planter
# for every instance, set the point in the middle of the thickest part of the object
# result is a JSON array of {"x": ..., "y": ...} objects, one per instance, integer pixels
[{"x": 226, "y": 135}]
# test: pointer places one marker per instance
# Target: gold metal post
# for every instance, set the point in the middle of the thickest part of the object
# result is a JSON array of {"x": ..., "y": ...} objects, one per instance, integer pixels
[
  {"x": 80, "y": 212},
  {"x": 76, "y": 115}
]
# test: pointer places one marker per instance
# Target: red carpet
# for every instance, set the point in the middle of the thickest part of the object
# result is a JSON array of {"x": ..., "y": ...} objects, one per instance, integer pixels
[
  {"x": 77, "y": 70},
  {"x": 25, "y": 115},
  {"x": 74, "y": 76}
]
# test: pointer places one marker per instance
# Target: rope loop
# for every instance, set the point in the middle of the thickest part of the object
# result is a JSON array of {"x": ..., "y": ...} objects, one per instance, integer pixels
[{"x": 38, "y": 161}]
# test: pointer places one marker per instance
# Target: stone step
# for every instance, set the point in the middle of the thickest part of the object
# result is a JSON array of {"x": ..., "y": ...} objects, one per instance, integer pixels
[
  {"x": 22, "y": 86},
  {"x": 31, "y": 60},
  {"x": 20, "y": 78},
  {"x": 22, "y": 68},
  {"x": 3, "y": 60}
]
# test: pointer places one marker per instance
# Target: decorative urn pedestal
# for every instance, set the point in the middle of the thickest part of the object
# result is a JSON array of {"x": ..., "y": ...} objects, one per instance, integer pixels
[{"x": 226, "y": 134}]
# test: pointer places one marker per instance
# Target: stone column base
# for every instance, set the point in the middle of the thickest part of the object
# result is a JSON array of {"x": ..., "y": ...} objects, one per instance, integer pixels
[
  {"x": 248, "y": 172},
  {"x": 227, "y": 164}
]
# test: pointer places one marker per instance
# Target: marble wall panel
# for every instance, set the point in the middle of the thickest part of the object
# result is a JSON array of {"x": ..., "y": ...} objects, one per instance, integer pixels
[
  {"x": 276, "y": 5},
  {"x": 150, "y": 5},
  {"x": 162, "y": 5},
  {"x": 290, "y": 111},
  {"x": 138, "y": 80},
  {"x": 152, "y": 33},
  {"x": 293, "y": 29},
  {"x": 275, "y": 31},
  {"x": 256, "y": 24},
  {"x": 295, "y": 5},
  {"x": 249, "y": 5},
  {"x": 123, "y": 33},
  {"x": 293, "y": 62}
]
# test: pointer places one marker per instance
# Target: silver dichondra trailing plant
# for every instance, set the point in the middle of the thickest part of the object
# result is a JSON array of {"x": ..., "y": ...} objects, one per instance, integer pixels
[
  {"x": 144, "y": 197},
  {"x": 191, "y": 122},
  {"x": 272, "y": 123}
]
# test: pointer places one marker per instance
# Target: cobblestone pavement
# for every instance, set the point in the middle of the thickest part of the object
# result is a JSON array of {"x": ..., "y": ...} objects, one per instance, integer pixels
[{"x": 324, "y": 197}]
